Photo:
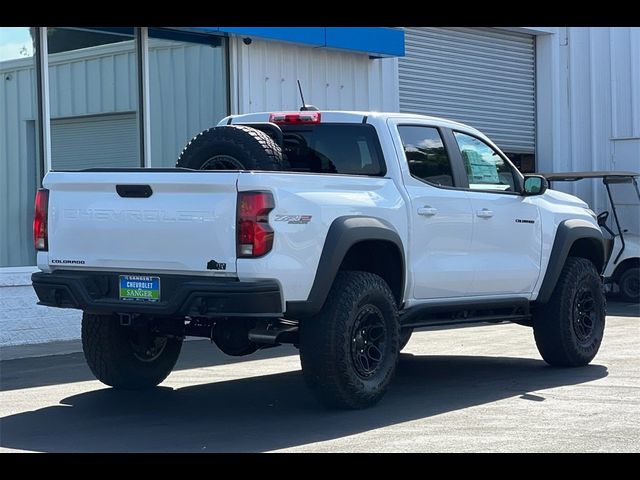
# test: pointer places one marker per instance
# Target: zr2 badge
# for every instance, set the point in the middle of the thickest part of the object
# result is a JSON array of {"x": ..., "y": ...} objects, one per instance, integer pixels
[{"x": 293, "y": 219}]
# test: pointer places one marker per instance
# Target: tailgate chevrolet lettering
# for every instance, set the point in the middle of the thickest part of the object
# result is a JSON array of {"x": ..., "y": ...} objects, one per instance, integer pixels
[{"x": 143, "y": 216}]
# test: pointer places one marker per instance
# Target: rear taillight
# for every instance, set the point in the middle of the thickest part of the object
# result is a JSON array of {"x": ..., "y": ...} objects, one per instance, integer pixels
[
  {"x": 40, "y": 237},
  {"x": 254, "y": 234},
  {"x": 295, "y": 118}
]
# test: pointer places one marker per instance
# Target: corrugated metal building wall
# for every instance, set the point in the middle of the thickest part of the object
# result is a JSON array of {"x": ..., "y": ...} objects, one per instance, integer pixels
[
  {"x": 188, "y": 93},
  {"x": 93, "y": 99},
  {"x": 94, "y": 80},
  {"x": 589, "y": 108},
  {"x": 17, "y": 161},
  {"x": 264, "y": 78}
]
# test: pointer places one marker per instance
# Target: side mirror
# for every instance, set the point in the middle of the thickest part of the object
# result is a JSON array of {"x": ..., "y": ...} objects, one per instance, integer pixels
[{"x": 534, "y": 185}]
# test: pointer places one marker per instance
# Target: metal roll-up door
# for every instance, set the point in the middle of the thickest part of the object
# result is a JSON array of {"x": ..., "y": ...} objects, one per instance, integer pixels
[
  {"x": 483, "y": 77},
  {"x": 95, "y": 141}
]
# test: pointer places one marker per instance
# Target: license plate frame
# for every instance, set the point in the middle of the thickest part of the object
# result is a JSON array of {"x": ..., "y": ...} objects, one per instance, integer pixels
[{"x": 139, "y": 288}]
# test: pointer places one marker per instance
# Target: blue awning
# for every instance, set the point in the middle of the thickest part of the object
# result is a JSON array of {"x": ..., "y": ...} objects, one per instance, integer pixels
[{"x": 374, "y": 41}]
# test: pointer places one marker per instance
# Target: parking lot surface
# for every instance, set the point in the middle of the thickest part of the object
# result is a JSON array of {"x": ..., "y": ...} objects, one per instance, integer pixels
[{"x": 482, "y": 388}]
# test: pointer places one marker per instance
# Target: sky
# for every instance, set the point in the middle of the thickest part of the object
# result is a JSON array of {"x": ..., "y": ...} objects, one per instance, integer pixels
[{"x": 12, "y": 41}]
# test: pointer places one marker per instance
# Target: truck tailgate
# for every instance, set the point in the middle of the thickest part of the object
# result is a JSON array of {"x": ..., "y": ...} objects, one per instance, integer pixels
[{"x": 108, "y": 221}]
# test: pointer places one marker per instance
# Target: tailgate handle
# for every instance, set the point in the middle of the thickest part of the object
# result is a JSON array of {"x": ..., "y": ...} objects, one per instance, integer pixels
[{"x": 134, "y": 191}]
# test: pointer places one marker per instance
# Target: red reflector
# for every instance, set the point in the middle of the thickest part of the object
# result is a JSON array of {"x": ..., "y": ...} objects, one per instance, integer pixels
[
  {"x": 40, "y": 237},
  {"x": 254, "y": 234},
  {"x": 295, "y": 118}
]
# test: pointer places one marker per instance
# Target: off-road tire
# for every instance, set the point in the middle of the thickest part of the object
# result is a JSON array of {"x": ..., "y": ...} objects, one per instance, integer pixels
[
  {"x": 331, "y": 366},
  {"x": 250, "y": 148},
  {"x": 566, "y": 337},
  {"x": 112, "y": 358}
]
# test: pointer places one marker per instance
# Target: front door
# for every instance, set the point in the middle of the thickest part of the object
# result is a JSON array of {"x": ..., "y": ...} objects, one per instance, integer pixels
[{"x": 507, "y": 232}]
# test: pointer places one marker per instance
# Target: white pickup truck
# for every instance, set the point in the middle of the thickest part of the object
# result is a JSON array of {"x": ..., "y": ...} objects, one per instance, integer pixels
[{"x": 338, "y": 232}]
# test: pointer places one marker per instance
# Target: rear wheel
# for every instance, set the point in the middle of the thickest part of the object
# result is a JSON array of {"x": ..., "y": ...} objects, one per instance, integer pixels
[
  {"x": 232, "y": 147},
  {"x": 124, "y": 357},
  {"x": 629, "y": 283},
  {"x": 349, "y": 351},
  {"x": 569, "y": 328}
]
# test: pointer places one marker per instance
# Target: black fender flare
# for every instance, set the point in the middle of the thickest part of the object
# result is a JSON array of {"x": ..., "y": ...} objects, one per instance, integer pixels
[
  {"x": 343, "y": 233},
  {"x": 567, "y": 233}
]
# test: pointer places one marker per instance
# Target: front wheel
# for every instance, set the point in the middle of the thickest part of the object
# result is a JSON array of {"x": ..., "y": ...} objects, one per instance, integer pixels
[
  {"x": 569, "y": 328},
  {"x": 349, "y": 351},
  {"x": 124, "y": 357}
]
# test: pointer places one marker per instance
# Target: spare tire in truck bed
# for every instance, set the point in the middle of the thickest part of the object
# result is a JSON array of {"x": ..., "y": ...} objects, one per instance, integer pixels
[{"x": 231, "y": 147}]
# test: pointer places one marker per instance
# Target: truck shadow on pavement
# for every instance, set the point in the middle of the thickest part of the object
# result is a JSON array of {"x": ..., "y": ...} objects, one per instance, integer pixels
[
  {"x": 620, "y": 308},
  {"x": 274, "y": 411},
  {"x": 22, "y": 373}
]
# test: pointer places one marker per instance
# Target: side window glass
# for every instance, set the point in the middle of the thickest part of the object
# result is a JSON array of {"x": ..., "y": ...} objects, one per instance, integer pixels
[
  {"x": 427, "y": 158},
  {"x": 486, "y": 170}
]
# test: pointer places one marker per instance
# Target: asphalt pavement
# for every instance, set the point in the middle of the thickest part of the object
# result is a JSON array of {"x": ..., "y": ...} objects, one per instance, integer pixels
[{"x": 481, "y": 388}]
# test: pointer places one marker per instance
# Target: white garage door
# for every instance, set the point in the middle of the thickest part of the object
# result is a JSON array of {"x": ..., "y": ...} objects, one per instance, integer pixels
[
  {"x": 483, "y": 77},
  {"x": 95, "y": 141}
]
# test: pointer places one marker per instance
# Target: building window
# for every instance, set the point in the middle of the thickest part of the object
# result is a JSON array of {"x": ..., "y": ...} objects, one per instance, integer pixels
[
  {"x": 18, "y": 145},
  {"x": 93, "y": 98},
  {"x": 188, "y": 90}
]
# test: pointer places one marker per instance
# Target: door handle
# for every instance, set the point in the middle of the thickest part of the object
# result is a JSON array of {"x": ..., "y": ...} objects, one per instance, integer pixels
[
  {"x": 427, "y": 211},
  {"x": 484, "y": 213}
]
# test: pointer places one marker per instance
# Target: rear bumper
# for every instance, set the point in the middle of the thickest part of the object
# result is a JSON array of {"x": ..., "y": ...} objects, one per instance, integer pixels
[{"x": 182, "y": 295}]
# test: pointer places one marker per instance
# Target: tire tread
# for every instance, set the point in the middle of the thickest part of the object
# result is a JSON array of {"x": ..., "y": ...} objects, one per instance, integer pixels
[
  {"x": 260, "y": 151},
  {"x": 553, "y": 323},
  {"x": 325, "y": 364},
  {"x": 110, "y": 357}
]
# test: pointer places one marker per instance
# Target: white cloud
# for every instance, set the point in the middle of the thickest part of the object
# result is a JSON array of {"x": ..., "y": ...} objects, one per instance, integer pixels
[
  {"x": 10, "y": 51},
  {"x": 429, "y": 143}
]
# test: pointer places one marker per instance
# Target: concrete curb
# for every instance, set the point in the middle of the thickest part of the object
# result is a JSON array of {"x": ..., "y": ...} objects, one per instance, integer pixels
[{"x": 65, "y": 347}]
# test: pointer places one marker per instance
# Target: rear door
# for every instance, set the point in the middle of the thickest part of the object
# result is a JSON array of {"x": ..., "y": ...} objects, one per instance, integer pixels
[
  {"x": 440, "y": 214},
  {"x": 143, "y": 221}
]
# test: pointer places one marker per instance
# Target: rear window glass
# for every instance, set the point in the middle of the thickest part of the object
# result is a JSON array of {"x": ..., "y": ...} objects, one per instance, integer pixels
[{"x": 344, "y": 148}]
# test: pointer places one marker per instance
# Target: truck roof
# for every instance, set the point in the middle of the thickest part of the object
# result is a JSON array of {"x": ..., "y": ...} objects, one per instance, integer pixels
[{"x": 344, "y": 116}]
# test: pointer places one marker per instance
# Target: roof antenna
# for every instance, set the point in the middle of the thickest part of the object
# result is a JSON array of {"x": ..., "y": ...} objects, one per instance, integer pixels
[{"x": 305, "y": 107}]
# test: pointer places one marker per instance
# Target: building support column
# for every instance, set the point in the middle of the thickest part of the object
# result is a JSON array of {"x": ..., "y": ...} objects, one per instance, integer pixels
[
  {"x": 43, "y": 123},
  {"x": 144, "y": 120}
]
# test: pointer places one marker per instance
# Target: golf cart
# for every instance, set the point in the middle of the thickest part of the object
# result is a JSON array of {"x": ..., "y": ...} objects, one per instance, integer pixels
[{"x": 623, "y": 248}]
